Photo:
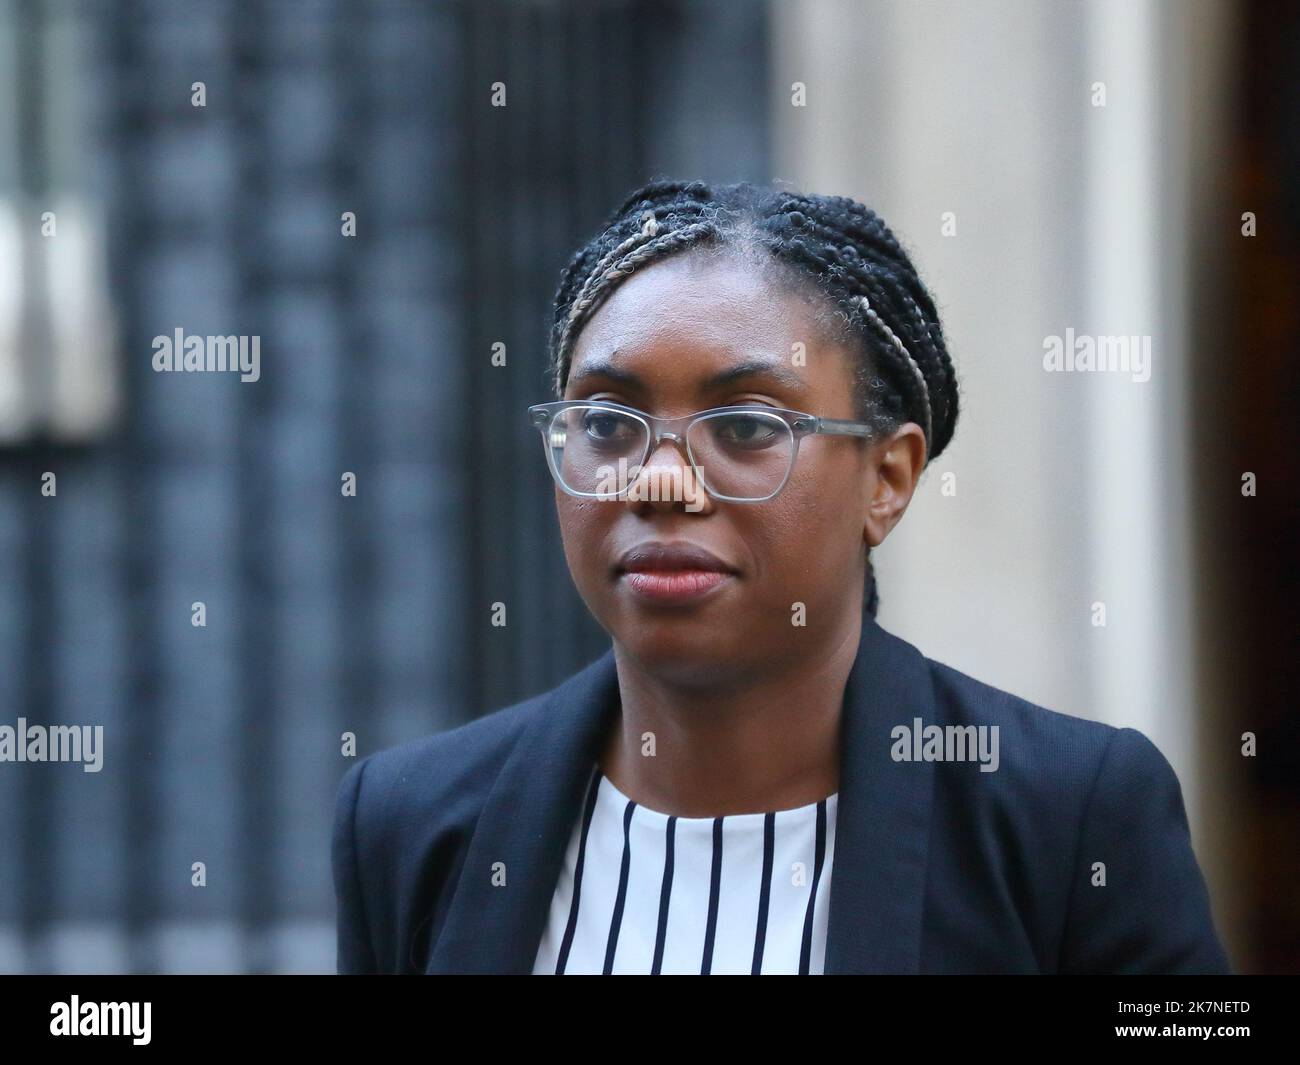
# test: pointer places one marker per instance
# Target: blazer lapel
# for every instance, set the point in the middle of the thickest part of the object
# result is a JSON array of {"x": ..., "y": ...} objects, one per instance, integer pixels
[
  {"x": 525, "y": 827},
  {"x": 881, "y": 832},
  {"x": 882, "y": 823}
]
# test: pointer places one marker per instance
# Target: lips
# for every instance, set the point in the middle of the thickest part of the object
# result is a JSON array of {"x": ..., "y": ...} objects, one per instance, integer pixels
[
  {"x": 676, "y": 556},
  {"x": 672, "y": 573}
]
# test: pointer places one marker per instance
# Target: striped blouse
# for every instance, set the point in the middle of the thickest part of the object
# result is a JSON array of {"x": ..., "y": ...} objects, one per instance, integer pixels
[{"x": 647, "y": 892}]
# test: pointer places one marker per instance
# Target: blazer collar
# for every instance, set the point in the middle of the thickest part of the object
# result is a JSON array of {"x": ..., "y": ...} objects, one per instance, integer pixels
[{"x": 881, "y": 831}]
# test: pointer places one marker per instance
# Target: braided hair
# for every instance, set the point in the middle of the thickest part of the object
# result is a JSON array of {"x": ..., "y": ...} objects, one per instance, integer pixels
[{"x": 872, "y": 298}]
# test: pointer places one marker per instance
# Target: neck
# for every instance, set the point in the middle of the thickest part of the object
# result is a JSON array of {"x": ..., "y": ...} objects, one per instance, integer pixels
[{"x": 767, "y": 742}]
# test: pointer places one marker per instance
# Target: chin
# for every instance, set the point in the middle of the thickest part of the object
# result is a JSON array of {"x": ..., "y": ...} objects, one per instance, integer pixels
[{"x": 689, "y": 652}]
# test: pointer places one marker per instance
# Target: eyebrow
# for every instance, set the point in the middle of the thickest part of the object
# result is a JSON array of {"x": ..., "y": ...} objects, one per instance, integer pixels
[{"x": 748, "y": 368}]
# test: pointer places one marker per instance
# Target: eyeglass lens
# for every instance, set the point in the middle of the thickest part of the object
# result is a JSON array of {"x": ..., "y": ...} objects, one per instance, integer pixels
[{"x": 744, "y": 455}]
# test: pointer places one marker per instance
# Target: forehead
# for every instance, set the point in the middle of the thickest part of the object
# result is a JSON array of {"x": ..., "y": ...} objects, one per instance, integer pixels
[{"x": 705, "y": 311}]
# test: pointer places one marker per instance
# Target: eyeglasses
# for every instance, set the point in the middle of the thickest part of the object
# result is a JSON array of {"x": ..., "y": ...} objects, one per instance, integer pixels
[{"x": 742, "y": 453}]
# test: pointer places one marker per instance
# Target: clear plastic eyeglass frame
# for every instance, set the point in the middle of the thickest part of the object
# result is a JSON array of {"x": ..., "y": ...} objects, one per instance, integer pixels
[{"x": 543, "y": 415}]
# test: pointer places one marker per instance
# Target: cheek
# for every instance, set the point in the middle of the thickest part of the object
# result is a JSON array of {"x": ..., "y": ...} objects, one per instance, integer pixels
[
  {"x": 584, "y": 526},
  {"x": 812, "y": 536}
]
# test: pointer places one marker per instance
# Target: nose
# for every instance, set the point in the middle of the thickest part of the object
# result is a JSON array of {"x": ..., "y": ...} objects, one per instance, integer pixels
[{"x": 667, "y": 480}]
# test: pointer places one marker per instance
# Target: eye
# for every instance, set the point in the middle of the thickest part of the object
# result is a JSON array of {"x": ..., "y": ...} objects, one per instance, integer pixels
[
  {"x": 607, "y": 427},
  {"x": 747, "y": 431}
]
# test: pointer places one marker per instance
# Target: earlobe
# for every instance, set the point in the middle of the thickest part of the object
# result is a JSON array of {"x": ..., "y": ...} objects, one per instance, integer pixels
[{"x": 882, "y": 515}]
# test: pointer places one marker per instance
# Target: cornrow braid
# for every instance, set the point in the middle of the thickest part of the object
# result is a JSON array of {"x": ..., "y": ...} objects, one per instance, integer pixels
[
  {"x": 644, "y": 246},
  {"x": 872, "y": 293},
  {"x": 889, "y": 278},
  {"x": 883, "y": 326}
]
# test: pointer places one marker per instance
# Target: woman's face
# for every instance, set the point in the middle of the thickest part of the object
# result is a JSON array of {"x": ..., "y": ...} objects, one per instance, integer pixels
[{"x": 663, "y": 343}]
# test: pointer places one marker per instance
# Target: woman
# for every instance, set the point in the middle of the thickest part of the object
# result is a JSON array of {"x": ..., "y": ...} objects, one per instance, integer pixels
[{"x": 756, "y": 777}]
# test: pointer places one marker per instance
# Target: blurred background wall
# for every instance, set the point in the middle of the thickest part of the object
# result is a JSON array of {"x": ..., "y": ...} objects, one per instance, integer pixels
[{"x": 128, "y": 210}]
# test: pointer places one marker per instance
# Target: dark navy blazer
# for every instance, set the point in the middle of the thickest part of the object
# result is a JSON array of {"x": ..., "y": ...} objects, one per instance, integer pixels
[{"x": 938, "y": 867}]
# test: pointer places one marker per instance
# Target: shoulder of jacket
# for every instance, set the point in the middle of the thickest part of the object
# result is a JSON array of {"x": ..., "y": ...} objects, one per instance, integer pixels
[
  {"x": 967, "y": 696},
  {"x": 1066, "y": 789},
  {"x": 1065, "y": 764},
  {"x": 405, "y": 806},
  {"x": 1042, "y": 752},
  {"x": 436, "y": 781},
  {"x": 459, "y": 759}
]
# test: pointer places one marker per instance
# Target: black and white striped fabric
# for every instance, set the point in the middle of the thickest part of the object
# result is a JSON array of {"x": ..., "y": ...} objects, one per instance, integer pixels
[{"x": 647, "y": 892}]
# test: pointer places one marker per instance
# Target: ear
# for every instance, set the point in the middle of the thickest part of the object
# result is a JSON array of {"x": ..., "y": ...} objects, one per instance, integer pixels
[{"x": 895, "y": 465}]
